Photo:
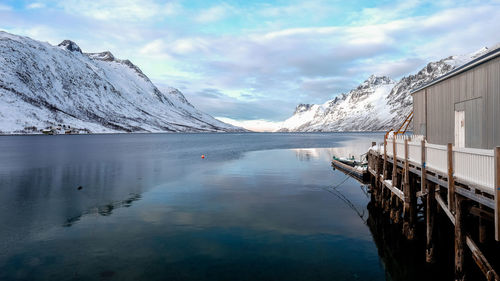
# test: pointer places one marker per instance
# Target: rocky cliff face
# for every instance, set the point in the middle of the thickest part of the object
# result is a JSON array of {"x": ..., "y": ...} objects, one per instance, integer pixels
[
  {"x": 45, "y": 86},
  {"x": 379, "y": 103}
]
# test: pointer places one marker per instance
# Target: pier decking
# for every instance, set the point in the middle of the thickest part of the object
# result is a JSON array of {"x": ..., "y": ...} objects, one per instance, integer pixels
[{"x": 461, "y": 181}]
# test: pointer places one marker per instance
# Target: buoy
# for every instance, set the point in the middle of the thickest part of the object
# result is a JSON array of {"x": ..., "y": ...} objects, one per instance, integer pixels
[
  {"x": 202, "y": 156},
  {"x": 80, "y": 187}
]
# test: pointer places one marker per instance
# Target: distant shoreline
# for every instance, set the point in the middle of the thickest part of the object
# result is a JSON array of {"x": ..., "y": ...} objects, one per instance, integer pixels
[{"x": 193, "y": 133}]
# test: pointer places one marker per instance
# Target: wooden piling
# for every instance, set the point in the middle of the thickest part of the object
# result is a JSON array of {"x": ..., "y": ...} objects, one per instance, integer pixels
[
  {"x": 451, "y": 181},
  {"x": 407, "y": 202},
  {"x": 430, "y": 215},
  {"x": 385, "y": 159},
  {"x": 377, "y": 169},
  {"x": 460, "y": 236},
  {"x": 482, "y": 227},
  {"x": 394, "y": 162},
  {"x": 401, "y": 205},
  {"x": 424, "y": 173}
]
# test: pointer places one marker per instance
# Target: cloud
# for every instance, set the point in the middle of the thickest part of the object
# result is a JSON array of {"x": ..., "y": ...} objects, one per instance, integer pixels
[
  {"x": 214, "y": 13},
  {"x": 226, "y": 106},
  {"x": 124, "y": 10},
  {"x": 35, "y": 5},
  {"x": 257, "y": 61}
]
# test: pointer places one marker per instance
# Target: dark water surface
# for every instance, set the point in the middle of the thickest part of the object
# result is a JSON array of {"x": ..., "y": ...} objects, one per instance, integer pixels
[{"x": 258, "y": 207}]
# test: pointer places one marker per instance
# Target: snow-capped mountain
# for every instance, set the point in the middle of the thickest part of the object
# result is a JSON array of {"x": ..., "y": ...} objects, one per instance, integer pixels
[
  {"x": 60, "y": 87},
  {"x": 379, "y": 103}
]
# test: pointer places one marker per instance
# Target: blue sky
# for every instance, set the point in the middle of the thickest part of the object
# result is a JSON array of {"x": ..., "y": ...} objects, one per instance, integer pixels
[{"x": 256, "y": 60}]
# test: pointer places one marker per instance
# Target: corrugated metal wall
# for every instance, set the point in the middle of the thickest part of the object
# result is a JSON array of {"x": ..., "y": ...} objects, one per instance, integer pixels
[
  {"x": 477, "y": 92},
  {"x": 419, "y": 124}
]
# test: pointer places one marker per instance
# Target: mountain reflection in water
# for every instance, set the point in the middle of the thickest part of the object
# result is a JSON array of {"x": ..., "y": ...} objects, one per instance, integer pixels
[{"x": 258, "y": 207}]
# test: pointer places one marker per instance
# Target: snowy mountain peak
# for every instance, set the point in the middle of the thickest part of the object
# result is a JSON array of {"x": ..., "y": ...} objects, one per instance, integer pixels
[
  {"x": 42, "y": 87},
  {"x": 302, "y": 107},
  {"x": 70, "y": 46},
  {"x": 104, "y": 56},
  {"x": 379, "y": 103},
  {"x": 375, "y": 80}
]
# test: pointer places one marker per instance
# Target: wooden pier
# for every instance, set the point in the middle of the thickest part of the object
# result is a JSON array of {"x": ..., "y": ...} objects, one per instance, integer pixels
[{"x": 412, "y": 181}]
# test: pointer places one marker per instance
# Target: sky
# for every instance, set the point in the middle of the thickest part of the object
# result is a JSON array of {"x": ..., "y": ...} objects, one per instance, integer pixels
[{"x": 251, "y": 63}]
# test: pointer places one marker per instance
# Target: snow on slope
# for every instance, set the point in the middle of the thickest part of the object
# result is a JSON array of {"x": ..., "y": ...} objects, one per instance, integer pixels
[
  {"x": 377, "y": 104},
  {"x": 43, "y": 85}
]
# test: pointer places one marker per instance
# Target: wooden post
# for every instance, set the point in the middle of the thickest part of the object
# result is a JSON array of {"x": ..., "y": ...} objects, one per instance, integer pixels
[
  {"x": 430, "y": 213},
  {"x": 451, "y": 180},
  {"x": 384, "y": 170},
  {"x": 406, "y": 179},
  {"x": 460, "y": 235},
  {"x": 497, "y": 193},
  {"x": 423, "y": 170},
  {"x": 407, "y": 202},
  {"x": 377, "y": 168},
  {"x": 482, "y": 227},
  {"x": 394, "y": 162}
]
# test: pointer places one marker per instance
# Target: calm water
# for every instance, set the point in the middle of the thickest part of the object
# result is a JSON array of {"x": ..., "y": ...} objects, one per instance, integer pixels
[{"x": 258, "y": 207}]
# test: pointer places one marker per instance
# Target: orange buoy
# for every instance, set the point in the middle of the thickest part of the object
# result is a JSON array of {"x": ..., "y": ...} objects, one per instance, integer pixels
[{"x": 202, "y": 156}]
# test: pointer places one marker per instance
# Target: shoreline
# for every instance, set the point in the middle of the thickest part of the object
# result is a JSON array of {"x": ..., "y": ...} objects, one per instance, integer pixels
[{"x": 236, "y": 132}]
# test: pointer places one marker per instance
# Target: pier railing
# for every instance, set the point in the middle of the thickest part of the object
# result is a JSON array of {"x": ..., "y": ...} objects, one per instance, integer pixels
[
  {"x": 463, "y": 182},
  {"x": 470, "y": 165}
]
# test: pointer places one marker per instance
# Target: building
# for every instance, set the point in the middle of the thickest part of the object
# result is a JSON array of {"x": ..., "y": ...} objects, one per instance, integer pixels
[{"x": 463, "y": 106}]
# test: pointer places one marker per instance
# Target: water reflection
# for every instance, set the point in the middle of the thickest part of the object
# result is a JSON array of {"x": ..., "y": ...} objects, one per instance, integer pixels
[
  {"x": 356, "y": 147},
  {"x": 104, "y": 210},
  {"x": 151, "y": 209}
]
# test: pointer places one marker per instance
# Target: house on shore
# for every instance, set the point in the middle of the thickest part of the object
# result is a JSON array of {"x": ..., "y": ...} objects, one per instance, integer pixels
[{"x": 463, "y": 106}]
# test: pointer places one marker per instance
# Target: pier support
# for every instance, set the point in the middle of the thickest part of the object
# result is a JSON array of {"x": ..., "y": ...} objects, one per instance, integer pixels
[
  {"x": 460, "y": 236},
  {"x": 451, "y": 180},
  {"x": 399, "y": 200},
  {"x": 408, "y": 203},
  {"x": 385, "y": 159},
  {"x": 430, "y": 216},
  {"x": 394, "y": 163},
  {"x": 424, "y": 172},
  {"x": 482, "y": 227}
]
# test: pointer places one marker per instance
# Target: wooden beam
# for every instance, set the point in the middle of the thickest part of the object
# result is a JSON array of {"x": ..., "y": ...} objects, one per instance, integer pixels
[
  {"x": 444, "y": 207},
  {"x": 451, "y": 183},
  {"x": 478, "y": 257},
  {"x": 497, "y": 193},
  {"x": 481, "y": 260},
  {"x": 482, "y": 213},
  {"x": 394, "y": 190}
]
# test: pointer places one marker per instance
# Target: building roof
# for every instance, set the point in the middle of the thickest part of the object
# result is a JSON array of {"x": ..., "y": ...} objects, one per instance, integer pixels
[{"x": 471, "y": 64}]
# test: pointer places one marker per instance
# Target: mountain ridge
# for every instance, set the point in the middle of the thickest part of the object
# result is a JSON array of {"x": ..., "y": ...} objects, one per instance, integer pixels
[
  {"x": 377, "y": 104},
  {"x": 45, "y": 86}
]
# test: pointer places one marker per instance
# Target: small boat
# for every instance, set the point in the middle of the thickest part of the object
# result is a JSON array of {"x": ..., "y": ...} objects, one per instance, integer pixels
[{"x": 350, "y": 161}]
